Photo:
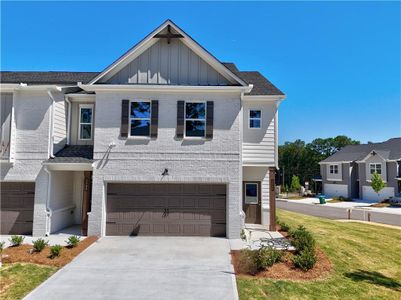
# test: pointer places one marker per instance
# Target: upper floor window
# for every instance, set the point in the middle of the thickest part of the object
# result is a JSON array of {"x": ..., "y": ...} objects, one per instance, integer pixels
[
  {"x": 195, "y": 119},
  {"x": 139, "y": 123},
  {"x": 255, "y": 118},
  {"x": 333, "y": 169},
  {"x": 85, "y": 121},
  {"x": 375, "y": 168}
]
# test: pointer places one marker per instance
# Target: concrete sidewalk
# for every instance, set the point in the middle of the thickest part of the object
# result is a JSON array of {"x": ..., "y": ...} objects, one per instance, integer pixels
[
  {"x": 390, "y": 216},
  {"x": 146, "y": 268}
]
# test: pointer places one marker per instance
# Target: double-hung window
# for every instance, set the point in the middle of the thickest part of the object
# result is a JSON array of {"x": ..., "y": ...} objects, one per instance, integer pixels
[
  {"x": 85, "y": 121},
  {"x": 195, "y": 119},
  {"x": 255, "y": 118},
  {"x": 375, "y": 168},
  {"x": 333, "y": 169},
  {"x": 139, "y": 118}
]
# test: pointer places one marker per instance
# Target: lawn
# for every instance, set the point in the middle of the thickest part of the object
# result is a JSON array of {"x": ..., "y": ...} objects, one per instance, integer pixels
[
  {"x": 17, "y": 280},
  {"x": 366, "y": 263}
]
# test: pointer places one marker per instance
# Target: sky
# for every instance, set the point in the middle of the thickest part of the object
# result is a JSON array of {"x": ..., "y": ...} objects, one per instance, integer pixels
[{"x": 339, "y": 63}]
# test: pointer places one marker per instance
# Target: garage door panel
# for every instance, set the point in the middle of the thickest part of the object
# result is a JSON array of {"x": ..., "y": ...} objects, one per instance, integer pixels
[
  {"x": 16, "y": 209},
  {"x": 181, "y": 209}
]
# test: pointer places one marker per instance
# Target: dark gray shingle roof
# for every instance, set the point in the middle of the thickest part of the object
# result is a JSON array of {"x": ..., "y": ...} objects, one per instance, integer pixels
[
  {"x": 389, "y": 150},
  {"x": 261, "y": 86},
  {"x": 46, "y": 77},
  {"x": 73, "y": 154}
]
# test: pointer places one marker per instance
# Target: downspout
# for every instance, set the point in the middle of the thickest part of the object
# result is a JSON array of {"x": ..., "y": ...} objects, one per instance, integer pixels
[
  {"x": 51, "y": 126},
  {"x": 68, "y": 119},
  {"x": 49, "y": 211}
]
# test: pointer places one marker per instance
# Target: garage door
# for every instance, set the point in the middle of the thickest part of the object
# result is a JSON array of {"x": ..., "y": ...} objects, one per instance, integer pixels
[
  {"x": 166, "y": 209},
  {"x": 16, "y": 209}
]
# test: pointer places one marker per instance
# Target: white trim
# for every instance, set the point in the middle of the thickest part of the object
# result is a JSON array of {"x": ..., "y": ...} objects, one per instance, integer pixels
[
  {"x": 81, "y": 106},
  {"x": 148, "y": 41},
  {"x": 68, "y": 166},
  {"x": 334, "y": 162},
  {"x": 333, "y": 179},
  {"x": 164, "y": 88},
  {"x": 264, "y": 98},
  {"x": 249, "y": 118},
  {"x": 129, "y": 119},
  {"x": 185, "y": 120}
]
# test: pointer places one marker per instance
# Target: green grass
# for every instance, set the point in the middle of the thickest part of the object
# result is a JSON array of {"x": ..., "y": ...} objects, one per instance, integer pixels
[
  {"x": 366, "y": 263},
  {"x": 17, "y": 280}
]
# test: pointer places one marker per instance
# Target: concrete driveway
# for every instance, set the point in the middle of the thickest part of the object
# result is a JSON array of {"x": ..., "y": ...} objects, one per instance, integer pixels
[{"x": 146, "y": 268}]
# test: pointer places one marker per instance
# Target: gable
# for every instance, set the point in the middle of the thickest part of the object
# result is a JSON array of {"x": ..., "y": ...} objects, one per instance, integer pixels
[
  {"x": 168, "y": 56},
  {"x": 168, "y": 63}
]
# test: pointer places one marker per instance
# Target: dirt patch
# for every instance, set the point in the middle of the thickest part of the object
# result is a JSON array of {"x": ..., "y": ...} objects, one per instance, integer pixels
[
  {"x": 22, "y": 254},
  {"x": 286, "y": 270}
]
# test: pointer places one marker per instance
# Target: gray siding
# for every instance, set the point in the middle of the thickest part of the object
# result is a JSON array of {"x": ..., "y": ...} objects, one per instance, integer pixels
[
  {"x": 391, "y": 175},
  {"x": 172, "y": 63},
  {"x": 59, "y": 125},
  {"x": 345, "y": 174},
  {"x": 5, "y": 133}
]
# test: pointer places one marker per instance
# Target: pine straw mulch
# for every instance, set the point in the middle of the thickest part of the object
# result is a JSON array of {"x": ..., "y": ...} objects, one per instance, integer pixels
[
  {"x": 286, "y": 270},
  {"x": 22, "y": 254}
]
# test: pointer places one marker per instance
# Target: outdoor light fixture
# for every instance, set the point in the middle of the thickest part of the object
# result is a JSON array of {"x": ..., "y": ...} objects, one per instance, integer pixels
[{"x": 165, "y": 172}]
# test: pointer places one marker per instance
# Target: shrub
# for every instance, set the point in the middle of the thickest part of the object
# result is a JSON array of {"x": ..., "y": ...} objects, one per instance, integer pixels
[
  {"x": 284, "y": 226},
  {"x": 303, "y": 239},
  {"x": 295, "y": 184},
  {"x": 242, "y": 235},
  {"x": 55, "y": 251},
  {"x": 72, "y": 241},
  {"x": 2, "y": 244},
  {"x": 305, "y": 260},
  {"x": 39, "y": 245},
  {"x": 16, "y": 240},
  {"x": 267, "y": 257},
  {"x": 248, "y": 262}
]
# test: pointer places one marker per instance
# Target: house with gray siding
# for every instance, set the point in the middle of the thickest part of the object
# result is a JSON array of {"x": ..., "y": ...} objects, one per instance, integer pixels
[
  {"x": 167, "y": 140},
  {"x": 348, "y": 172}
]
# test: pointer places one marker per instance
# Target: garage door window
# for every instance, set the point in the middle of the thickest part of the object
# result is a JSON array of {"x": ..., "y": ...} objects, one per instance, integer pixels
[
  {"x": 140, "y": 118},
  {"x": 251, "y": 193}
]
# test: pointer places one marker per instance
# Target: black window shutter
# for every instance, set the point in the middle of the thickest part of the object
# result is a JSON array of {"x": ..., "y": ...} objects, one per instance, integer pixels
[
  {"x": 124, "y": 118},
  {"x": 180, "y": 119},
  {"x": 154, "y": 121},
  {"x": 209, "y": 119}
]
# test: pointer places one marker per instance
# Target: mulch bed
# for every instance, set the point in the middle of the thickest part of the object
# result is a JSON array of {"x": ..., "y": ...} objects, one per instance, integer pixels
[
  {"x": 22, "y": 254},
  {"x": 285, "y": 270}
]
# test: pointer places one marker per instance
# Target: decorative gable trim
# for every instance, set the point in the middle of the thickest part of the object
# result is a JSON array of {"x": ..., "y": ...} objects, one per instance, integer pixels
[
  {"x": 371, "y": 154},
  {"x": 150, "y": 40}
]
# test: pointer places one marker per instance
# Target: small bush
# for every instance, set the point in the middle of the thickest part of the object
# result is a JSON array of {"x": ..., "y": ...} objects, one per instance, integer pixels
[
  {"x": 248, "y": 262},
  {"x": 305, "y": 260},
  {"x": 2, "y": 244},
  {"x": 55, "y": 251},
  {"x": 268, "y": 256},
  {"x": 72, "y": 241},
  {"x": 39, "y": 245},
  {"x": 16, "y": 240},
  {"x": 302, "y": 239}
]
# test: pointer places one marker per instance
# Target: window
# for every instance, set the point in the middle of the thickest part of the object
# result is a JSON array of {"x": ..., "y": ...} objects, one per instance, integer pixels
[
  {"x": 139, "y": 118},
  {"x": 333, "y": 169},
  {"x": 251, "y": 193},
  {"x": 85, "y": 121},
  {"x": 255, "y": 118},
  {"x": 375, "y": 168},
  {"x": 195, "y": 119}
]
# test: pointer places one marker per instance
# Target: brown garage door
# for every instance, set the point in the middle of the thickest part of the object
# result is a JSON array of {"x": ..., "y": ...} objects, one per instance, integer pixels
[
  {"x": 16, "y": 209},
  {"x": 166, "y": 209}
]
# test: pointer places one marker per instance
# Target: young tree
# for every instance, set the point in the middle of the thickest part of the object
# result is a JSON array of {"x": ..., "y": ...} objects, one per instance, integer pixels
[
  {"x": 295, "y": 185},
  {"x": 377, "y": 183}
]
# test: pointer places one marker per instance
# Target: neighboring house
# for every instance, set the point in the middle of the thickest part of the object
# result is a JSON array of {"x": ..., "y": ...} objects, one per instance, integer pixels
[
  {"x": 166, "y": 140},
  {"x": 348, "y": 172}
]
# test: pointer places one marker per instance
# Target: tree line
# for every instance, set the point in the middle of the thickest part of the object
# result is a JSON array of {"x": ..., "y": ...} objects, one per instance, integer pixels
[{"x": 302, "y": 159}]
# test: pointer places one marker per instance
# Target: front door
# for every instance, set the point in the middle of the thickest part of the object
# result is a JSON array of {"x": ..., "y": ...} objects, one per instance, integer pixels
[
  {"x": 86, "y": 201},
  {"x": 251, "y": 202}
]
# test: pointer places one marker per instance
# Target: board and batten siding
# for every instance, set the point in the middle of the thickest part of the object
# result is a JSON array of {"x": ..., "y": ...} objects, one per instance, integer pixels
[
  {"x": 173, "y": 64},
  {"x": 59, "y": 125},
  {"x": 259, "y": 145}
]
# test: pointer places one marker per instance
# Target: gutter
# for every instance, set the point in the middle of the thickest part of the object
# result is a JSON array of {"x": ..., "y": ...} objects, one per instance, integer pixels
[
  {"x": 51, "y": 125},
  {"x": 48, "y": 210},
  {"x": 153, "y": 87}
]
